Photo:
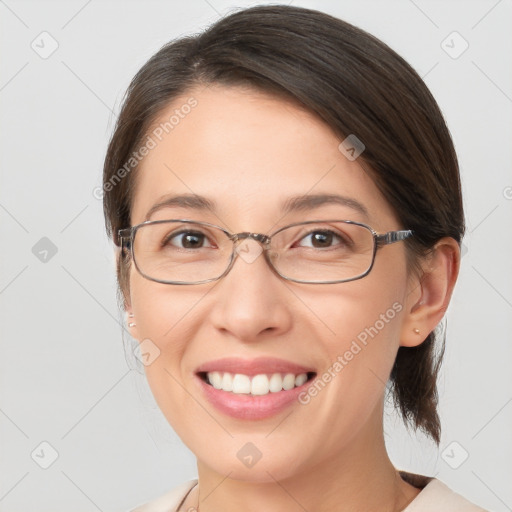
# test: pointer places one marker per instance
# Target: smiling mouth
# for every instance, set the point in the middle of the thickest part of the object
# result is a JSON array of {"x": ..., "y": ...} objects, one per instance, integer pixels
[{"x": 255, "y": 385}]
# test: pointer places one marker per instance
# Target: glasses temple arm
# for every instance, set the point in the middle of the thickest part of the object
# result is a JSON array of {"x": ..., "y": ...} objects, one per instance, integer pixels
[{"x": 393, "y": 236}]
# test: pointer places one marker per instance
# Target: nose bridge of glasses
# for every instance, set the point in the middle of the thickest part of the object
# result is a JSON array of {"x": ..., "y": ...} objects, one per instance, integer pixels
[{"x": 259, "y": 237}]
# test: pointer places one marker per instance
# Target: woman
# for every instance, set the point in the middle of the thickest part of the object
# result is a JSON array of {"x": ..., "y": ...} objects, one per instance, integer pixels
[{"x": 285, "y": 198}]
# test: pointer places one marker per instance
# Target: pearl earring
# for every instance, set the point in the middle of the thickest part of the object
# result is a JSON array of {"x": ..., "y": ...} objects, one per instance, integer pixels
[{"x": 417, "y": 331}]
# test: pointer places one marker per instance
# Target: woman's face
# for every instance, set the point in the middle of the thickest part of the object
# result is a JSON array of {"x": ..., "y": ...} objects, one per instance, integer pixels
[{"x": 249, "y": 153}]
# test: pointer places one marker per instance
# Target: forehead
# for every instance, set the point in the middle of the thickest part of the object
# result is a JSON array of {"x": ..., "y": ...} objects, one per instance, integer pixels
[{"x": 249, "y": 152}]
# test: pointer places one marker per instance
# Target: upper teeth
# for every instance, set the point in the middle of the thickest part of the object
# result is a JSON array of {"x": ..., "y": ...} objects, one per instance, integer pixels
[{"x": 260, "y": 384}]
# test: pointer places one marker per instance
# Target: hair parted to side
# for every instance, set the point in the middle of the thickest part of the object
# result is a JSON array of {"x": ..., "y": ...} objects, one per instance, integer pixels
[{"x": 357, "y": 85}]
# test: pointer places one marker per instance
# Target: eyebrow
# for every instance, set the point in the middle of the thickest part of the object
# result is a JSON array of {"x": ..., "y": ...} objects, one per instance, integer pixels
[
  {"x": 312, "y": 202},
  {"x": 293, "y": 204},
  {"x": 191, "y": 201}
]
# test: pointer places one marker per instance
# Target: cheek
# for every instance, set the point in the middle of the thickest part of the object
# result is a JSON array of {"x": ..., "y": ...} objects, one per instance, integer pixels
[
  {"x": 163, "y": 317},
  {"x": 360, "y": 359},
  {"x": 162, "y": 311},
  {"x": 360, "y": 329},
  {"x": 361, "y": 311}
]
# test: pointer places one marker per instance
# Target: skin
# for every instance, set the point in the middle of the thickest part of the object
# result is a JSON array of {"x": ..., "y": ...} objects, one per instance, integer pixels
[{"x": 250, "y": 151}]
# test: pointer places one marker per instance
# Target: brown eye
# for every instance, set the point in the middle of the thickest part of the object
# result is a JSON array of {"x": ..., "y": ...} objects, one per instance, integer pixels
[
  {"x": 186, "y": 240},
  {"x": 321, "y": 239}
]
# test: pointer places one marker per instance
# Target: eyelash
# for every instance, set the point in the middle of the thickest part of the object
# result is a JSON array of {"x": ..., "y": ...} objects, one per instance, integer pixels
[{"x": 172, "y": 236}]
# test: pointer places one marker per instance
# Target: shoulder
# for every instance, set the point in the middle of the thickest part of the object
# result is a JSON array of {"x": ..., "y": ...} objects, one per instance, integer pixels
[
  {"x": 170, "y": 501},
  {"x": 436, "y": 495}
]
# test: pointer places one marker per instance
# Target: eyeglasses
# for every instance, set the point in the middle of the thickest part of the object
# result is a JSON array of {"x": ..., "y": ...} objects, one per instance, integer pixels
[{"x": 185, "y": 251}]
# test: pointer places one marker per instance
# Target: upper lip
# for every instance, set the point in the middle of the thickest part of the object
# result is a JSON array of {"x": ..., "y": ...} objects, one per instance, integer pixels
[{"x": 252, "y": 367}]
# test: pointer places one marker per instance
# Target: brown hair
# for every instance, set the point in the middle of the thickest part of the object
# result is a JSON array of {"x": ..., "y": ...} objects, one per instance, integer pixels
[{"x": 357, "y": 85}]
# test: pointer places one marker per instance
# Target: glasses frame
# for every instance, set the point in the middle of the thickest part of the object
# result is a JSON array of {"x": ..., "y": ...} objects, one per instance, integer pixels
[{"x": 127, "y": 238}]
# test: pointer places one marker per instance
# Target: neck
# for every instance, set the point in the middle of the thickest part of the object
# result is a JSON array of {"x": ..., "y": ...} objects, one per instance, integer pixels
[{"x": 360, "y": 476}]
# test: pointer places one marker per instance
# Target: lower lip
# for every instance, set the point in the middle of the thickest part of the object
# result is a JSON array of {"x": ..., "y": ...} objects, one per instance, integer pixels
[{"x": 249, "y": 407}]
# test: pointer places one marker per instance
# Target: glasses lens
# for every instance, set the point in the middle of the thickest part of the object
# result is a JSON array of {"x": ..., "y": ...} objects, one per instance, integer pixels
[
  {"x": 323, "y": 251},
  {"x": 175, "y": 251}
]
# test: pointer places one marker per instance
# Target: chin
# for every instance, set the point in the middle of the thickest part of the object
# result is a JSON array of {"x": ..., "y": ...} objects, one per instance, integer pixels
[{"x": 255, "y": 462}]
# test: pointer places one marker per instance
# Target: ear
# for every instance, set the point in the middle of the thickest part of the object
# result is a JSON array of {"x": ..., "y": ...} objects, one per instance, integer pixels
[
  {"x": 122, "y": 277},
  {"x": 131, "y": 320},
  {"x": 430, "y": 293}
]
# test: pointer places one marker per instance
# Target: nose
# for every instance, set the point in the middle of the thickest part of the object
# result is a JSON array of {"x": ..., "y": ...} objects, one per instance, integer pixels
[{"x": 251, "y": 300}]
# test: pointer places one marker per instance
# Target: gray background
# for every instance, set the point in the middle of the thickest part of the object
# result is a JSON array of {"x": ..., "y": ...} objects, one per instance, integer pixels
[{"x": 66, "y": 376}]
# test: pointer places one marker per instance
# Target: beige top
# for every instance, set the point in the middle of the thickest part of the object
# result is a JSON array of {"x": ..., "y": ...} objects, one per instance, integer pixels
[{"x": 434, "y": 496}]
